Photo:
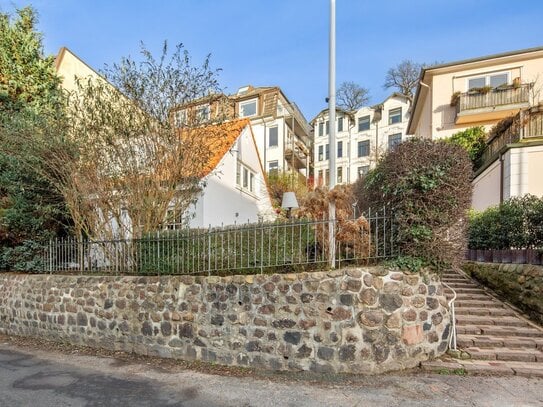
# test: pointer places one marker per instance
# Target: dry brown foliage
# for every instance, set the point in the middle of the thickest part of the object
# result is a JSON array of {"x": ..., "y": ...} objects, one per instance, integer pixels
[{"x": 352, "y": 234}]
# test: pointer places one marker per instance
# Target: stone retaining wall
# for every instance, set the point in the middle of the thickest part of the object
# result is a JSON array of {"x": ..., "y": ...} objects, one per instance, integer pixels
[
  {"x": 363, "y": 320},
  {"x": 520, "y": 284}
]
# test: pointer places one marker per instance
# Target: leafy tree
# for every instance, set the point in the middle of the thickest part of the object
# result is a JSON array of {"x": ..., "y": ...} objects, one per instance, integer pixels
[
  {"x": 403, "y": 77},
  {"x": 351, "y": 96},
  {"x": 30, "y": 209},
  {"x": 473, "y": 140}
]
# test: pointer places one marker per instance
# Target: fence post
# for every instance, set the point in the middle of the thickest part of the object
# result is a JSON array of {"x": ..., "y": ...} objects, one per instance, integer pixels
[
  {"x": 332, "y": 234},
  {"x": 209, "y": 250}
]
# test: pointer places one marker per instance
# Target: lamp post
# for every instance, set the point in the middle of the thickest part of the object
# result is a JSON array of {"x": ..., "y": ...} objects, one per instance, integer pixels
[
  {"x": 289, "y": 202},
  {"x": 332, "y": 133}
]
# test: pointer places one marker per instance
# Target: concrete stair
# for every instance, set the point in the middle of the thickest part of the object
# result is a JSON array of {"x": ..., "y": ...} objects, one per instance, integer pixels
[{"x": 498, "y": 339}]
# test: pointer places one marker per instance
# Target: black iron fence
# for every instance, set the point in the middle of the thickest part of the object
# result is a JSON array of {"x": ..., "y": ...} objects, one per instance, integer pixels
[{"x": 250, "y": 248}]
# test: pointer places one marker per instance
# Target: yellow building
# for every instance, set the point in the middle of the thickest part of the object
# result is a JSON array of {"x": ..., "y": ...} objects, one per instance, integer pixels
[{"x": 482, "y": 92}]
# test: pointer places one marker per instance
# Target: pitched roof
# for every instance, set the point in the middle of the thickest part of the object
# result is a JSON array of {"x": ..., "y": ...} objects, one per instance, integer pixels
[{"x": 219, "y": 139}]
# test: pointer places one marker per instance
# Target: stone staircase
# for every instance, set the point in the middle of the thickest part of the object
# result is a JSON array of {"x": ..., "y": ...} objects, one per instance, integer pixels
[{"x": 497, "y": 338}]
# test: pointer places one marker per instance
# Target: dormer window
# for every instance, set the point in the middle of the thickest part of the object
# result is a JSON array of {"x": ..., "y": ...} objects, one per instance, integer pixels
[
  {"x": 202, "y": 113},
  {"x": 248, "y": 108},
  {"x": 180, "y": 118}
]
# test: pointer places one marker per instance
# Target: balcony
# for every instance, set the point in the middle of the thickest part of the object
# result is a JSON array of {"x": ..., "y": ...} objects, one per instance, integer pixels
[
  {"x": 490, "y": 104},
  {"x": 525, "y": 126}
]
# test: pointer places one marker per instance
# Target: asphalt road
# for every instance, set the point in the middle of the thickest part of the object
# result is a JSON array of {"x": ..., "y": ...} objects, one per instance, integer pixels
[{"x": 50, "y": 378}]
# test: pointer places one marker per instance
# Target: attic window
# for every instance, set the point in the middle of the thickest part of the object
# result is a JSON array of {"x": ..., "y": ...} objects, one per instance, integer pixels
[
  {"x": 247, "y": 108},
  {"x": 243, "y": 90}
]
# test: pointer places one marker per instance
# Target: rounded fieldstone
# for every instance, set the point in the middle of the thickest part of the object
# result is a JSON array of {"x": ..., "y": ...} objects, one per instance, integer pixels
[
  {"x": 166, "y": 328},
  {"x": 368, "y": 280},
  {"x": 394, "y": 321},
  {"x": 370, "y": 318},
  {"x": 410, "y": 315},
  {"x": 283, "y": 323},
  {"x": 304, "y": 351},
  {"x": 185, "y": 330},
  {"x": 147, "y": 329},
  {"x": 437, "y": 318},
  {"x": 417, "y": 301},
  {"x": 368, "y": 296},
  {"x": 432, "y": 303},
  {"x": 217, "y": 320},
  {"x": 346, "y": 299},
  {"x": 347, "y": 352},
  {"x": 292, "y": 337},
  {"x": 325, "y": 353},
  {"x": 390, "y": 302}
]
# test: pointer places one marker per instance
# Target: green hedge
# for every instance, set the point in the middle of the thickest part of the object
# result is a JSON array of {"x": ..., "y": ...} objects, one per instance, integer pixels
[
  {"x": 516, "y": 223},
  {"x": 243, "y": 250}
]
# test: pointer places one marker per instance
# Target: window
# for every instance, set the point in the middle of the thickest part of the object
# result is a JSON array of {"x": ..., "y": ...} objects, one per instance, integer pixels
[
  {"x": 339, "y": 175},
  {"x": 202, "y": 113},
  {"x": 476, "y": 83},
  {"x": 364, "y": 148},
  {"x": 327, "y": 149},
  {"x": 180, "y": 118},
  {"x": 498, "y": 80},
  {"x": 493, "y": 81},
  {"x": 340, "y": 124},
  {"x": 363, "y": 170},
  {"x": 273, "y": 166},
  {"x": 319, "y": 179},
  {"x": 327, "y": 127},
  {"x": 273, "y": 136},
  {"x": 245, "y": 177},
  {"x": 340, "y": 149},
  {"x": 321, "y": 153},
  {"x": 363, "y": 123},
  {"x": 247, "y": 108},
  {"x": 321, "y": 129},
  {"x": 394, "y": 140},
  {"x": 395, "y": 115},
  {"x": 327, "y": 177}
]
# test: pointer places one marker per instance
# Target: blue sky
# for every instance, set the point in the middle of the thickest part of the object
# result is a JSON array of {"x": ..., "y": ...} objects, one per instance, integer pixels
[{"x": 285, "y": 42}]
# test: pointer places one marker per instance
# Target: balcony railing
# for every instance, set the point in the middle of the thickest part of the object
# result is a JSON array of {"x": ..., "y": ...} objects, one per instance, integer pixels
[
  {"x": 497, "y": 97},
  {"x": 525, "y": 125}
]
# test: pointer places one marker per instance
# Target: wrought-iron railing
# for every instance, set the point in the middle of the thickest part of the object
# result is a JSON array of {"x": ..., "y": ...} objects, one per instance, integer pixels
[
  {"x": 527, "y": 124},
  {"x": 240, "y": 249},
  {"x": 512, "y": 95}
]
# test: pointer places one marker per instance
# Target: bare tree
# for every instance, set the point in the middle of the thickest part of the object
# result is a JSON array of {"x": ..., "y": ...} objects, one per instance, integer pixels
[
  {"x": 403, "y": 77},
  {"x": 117, "y": 157},
  {"x": 351, "y": 96}
]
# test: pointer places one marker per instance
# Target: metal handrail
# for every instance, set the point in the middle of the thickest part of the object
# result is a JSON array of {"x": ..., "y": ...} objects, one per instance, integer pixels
[{"x": 452, "y": 338}]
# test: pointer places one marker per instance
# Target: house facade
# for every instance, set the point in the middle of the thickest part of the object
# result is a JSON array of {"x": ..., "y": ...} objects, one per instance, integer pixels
[
  {"x": 234, "y": 189},
  {"x": 281, "y": 132},
  {"x": 482, "y": 92},
  {"x": 361, "y": 137}
]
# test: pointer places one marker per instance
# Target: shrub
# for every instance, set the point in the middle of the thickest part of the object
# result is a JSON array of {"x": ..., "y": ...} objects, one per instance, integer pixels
[
  {"x": 515, "y": 223},
  {"x": 428, "y": 186},
  {"x": 473, "y": 140},
  {"x": 351, "y": 233}
]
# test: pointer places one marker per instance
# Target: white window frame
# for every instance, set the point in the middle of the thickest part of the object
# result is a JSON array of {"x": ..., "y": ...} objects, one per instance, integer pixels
[
  {"x": 180, "y": 118},
  {"x": 247, "y": 102},
  {"x": 277, "y": 137},
  {"x": 487, "y": 78}
]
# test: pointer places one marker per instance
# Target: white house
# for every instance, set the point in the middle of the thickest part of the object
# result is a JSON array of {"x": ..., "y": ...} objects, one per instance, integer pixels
[
  {"x": 234, "y": 185},
  {"x": 361, "y": 137}
]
